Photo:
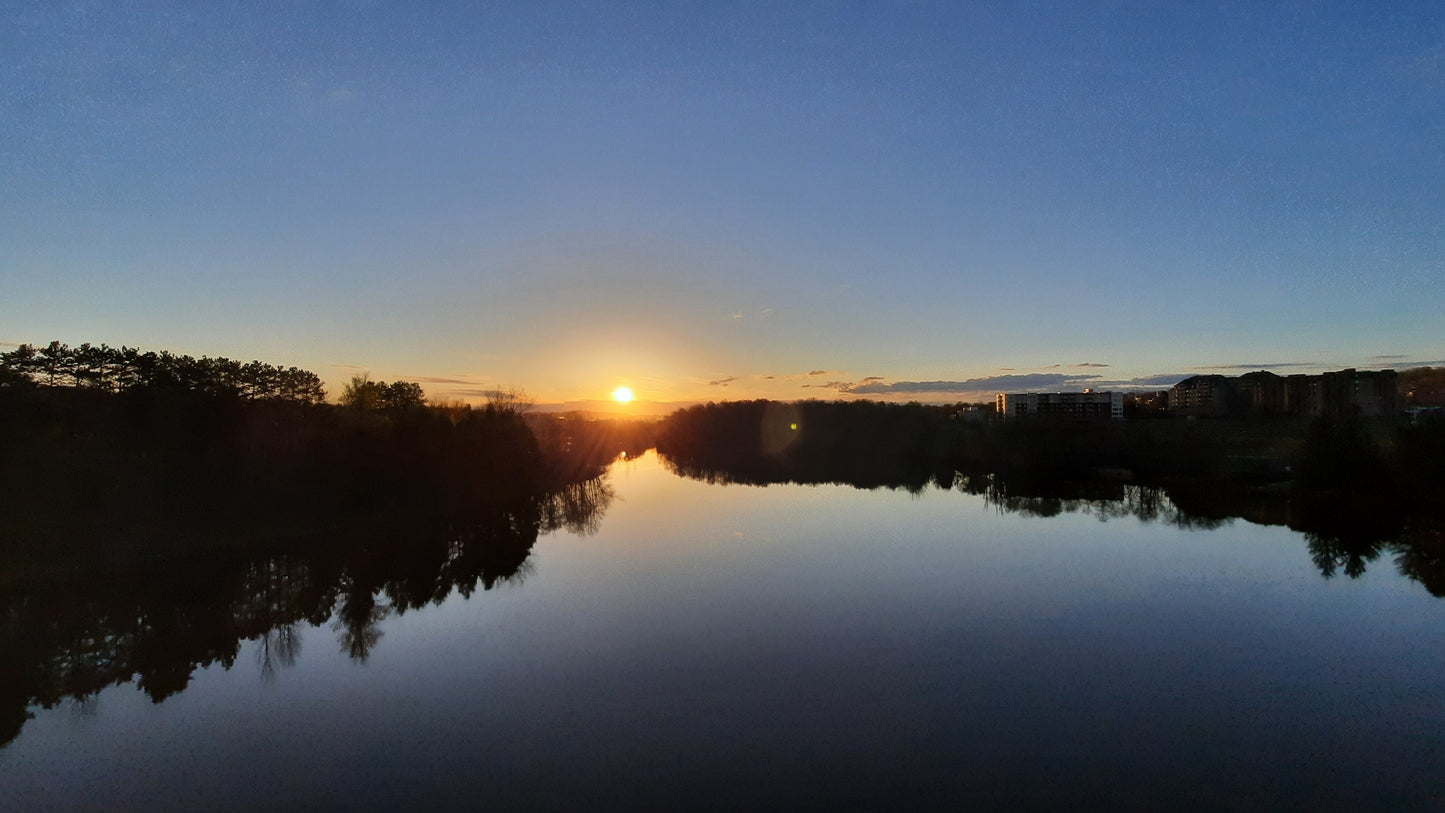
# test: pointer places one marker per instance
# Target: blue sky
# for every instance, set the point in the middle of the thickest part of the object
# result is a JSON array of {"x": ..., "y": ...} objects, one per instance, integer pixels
[{"x": 710, "y": 200}]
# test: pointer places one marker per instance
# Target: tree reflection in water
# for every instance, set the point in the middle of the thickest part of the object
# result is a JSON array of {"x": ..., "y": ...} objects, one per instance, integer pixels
[
  {"x": 1344, "y": 530},
  {"x": 279, "y": 645},
  {"x": 356, "y": 622},
  {"x": 577, "y": 507},
  {"x": 1421, "y": 555},
  {"x": 70, "y": 637}
]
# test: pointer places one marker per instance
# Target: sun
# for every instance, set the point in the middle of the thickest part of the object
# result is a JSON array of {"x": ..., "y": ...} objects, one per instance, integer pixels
[{"x": 622, "y": 394}]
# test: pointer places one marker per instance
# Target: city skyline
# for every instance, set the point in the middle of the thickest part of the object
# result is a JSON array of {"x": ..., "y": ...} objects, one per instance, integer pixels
[{"x": 891, "y": 201}]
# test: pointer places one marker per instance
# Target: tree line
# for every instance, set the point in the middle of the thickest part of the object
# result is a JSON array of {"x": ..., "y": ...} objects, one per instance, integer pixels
[
  {"x": 869, "y": 444},
  {"x": 116, "y": 369},
  {"x": 864, "y": 442},
  {"x": 148, "y": 445}
]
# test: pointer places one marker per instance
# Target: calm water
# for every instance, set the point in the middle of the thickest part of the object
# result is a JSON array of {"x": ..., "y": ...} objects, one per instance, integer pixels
[{"x": 723, "y": 646}]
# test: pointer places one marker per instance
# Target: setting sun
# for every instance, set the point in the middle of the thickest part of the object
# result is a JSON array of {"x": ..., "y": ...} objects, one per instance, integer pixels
[{"x": 622, "y": 394}]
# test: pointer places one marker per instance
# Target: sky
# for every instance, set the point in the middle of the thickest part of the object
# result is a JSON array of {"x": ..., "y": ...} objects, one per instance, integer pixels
[{"x": 709, "y": 201}]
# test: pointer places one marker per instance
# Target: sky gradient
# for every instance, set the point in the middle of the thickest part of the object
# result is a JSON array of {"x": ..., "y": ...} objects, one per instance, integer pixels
[{"x": 708, "y": 201}]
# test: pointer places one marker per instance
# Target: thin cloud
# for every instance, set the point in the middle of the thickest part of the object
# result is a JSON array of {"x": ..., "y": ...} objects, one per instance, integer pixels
[
  {"x": 1388, "y": 357},
  {"x": 1405, "y": 365},
  {"x": 1088, "y": 364},
  {"x": 723, "y": 382},
  {"x": 1160, "y": 379},
  {"x": 737, "y": 314},
  {"x": 870, "y": 379},
  {"x": 993, "y": 383},
  {"x": 1156, "y": 380},
  {"x": 769, "y": 377},
  {"x": 430, "y": 379},
  {"x": 1258, "y": 365},
  {"x": 817, "y": 372}
]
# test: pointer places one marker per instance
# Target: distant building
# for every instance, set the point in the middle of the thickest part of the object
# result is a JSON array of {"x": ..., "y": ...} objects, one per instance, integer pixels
[
  {"x": 1368, "y": 393},
  {"x": 971, "y": 413},
  {"x": 1203, "y": 395},
  {"x": 1344, "y": 392},
  {"x": 1078, "y": 406},
  {"x": 1260, "y": 392},
  {"x": 1304, "y": 395}
]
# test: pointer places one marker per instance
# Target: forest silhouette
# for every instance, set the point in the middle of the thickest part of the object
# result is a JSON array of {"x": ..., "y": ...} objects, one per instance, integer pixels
[{"x": 868, "y": 443}]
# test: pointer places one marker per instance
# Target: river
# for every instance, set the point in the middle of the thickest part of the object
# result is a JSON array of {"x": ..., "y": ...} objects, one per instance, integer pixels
[{"x": 680, "y": 644}]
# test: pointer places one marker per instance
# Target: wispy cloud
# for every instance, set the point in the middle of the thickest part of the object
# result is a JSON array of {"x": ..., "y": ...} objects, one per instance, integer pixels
[
  {"x": 762, "y": 314},
  {"x": 817, "y": 372},
  {"x": 430, "y": 379},
  {"x": 1156, "y": 380},
  {"x": 1388, "y": 357},
  {"x": 1088, "y": 364},
  {"x": 1258, "y": 365},
  {"x": 723, "y": 382},
  {"x": 992, "y": 383}
]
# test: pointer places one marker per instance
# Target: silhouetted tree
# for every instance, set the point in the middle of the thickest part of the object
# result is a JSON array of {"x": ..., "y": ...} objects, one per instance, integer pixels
[
  {"x": 365, "y": 395},
  {"x": 509, "y": 401},
  {"x": 362, "y": 393},
  {"x": 403, "y": 395},
  {"x": 54, "y": 362}
]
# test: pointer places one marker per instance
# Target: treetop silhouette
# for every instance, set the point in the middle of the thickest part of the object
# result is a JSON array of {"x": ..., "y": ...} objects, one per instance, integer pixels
[{"x": 115, "y": 369}]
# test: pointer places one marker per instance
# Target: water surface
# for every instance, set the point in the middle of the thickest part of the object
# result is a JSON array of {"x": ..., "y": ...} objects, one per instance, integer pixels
[{"x": 717, "y": 646}]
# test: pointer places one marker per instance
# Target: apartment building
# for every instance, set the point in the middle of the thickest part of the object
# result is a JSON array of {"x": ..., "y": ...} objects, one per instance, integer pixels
[
  {"x": 1343, "y": 392},
  {"x": 1078, "y": 406}
]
